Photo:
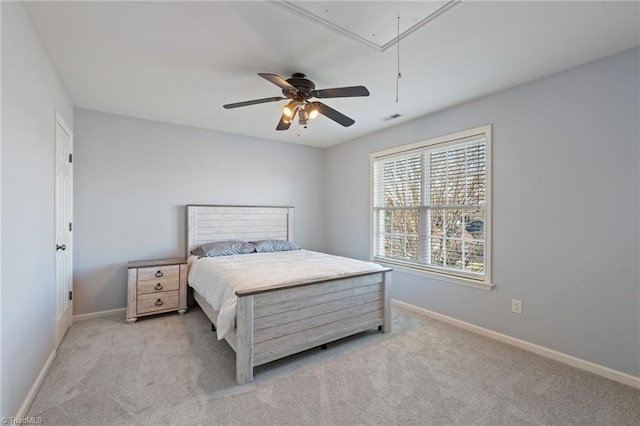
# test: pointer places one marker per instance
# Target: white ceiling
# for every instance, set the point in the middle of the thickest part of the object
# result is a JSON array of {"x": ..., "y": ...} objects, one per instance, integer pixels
[{"x": 179, "y": 62}]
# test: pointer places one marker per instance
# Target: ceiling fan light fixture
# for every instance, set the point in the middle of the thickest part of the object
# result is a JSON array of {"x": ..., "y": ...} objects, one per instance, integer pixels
[
  {"x": 289, "y": 109},
  {"x": 312, "y": 110},
  {"x": 304, "y": 116}
]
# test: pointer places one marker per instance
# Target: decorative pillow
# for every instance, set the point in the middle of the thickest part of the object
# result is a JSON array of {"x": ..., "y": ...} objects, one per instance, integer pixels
[
  {"x": 224, "y": 248},
  {"x": 264, "y": 246}
]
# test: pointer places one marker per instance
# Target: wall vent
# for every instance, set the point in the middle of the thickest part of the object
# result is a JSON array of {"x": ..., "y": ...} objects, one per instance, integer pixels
[{"x": 392, "y": 117}]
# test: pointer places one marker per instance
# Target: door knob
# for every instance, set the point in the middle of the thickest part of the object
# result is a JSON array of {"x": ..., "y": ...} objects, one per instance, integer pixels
[{"x": 62, "y": 247}]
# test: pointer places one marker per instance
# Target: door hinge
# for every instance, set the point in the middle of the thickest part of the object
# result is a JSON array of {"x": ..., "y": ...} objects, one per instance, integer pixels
[
  {"x": 70, "y": 227},
  {"x": 71, "y": 295},
  {"x": 71, "y": 158}
]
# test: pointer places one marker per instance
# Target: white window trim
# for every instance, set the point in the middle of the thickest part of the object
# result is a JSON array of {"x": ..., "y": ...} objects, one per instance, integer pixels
[{"x": 486, "y": 283}]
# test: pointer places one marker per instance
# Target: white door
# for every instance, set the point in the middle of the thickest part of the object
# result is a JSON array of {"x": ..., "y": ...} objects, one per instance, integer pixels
[{"x": 63, "y": 269}]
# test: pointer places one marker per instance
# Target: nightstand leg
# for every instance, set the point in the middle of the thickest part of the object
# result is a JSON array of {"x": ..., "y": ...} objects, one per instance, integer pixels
[
  {"x": 131, "y": 320},
  {"x": 182, "y": 311}
]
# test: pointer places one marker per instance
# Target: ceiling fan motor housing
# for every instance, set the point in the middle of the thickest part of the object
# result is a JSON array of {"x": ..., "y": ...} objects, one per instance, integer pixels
[{"x": 305, "y": 87}]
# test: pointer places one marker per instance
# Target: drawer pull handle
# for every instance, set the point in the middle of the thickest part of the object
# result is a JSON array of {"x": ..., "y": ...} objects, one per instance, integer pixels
[
  {"x": 158, "y": 287},
  {"x": 159, "y": 274},
  {"x": 159, "y": 302}
]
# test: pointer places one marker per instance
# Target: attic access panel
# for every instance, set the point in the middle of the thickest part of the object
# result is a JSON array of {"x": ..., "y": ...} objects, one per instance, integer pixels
[{"x": 372, "y": 23}]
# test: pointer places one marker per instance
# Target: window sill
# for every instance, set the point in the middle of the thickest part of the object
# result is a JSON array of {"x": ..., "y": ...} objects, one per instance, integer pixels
[{"x": 436, "y": 276}]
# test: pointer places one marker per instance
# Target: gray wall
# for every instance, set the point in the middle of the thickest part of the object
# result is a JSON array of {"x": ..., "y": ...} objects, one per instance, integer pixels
[
  {"x": 31, "y": 94},
  {"x": 565, "y": 211},
  {"x": 134, "y": 177}
]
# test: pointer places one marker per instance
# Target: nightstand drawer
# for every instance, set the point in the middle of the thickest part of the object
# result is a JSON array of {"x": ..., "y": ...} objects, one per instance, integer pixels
[
  {"x": 156, "y": 272},
  {"x": 157, "y": 302},
  {"x": 159, "y": 284}
]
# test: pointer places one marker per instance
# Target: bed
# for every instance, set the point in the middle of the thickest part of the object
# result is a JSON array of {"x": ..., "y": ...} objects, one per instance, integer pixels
[{"x": 277, "y": 319}]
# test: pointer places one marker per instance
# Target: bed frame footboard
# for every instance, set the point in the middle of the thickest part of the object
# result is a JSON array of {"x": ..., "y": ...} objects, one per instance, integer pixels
[{"x": 276, "y": 322}]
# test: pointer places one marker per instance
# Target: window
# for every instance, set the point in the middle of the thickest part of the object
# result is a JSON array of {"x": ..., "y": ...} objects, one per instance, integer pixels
[{"x": 431, "y": 206}]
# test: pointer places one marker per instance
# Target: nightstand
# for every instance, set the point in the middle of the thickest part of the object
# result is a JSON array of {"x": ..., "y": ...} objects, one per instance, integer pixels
[{"x": 156, "y": 286}]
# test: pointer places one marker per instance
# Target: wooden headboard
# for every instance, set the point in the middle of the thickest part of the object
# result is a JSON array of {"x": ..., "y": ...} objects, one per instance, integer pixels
[{"x": 206, "y": 224}]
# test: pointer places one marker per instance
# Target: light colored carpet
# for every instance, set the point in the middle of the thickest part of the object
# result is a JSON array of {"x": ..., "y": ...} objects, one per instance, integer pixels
[{"x": 170, "y": 369}]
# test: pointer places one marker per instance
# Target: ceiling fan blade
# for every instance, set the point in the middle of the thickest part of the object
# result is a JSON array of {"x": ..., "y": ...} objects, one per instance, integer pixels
[
  {"x": 253, "y": 102},
  {"x": 285, "y": 122},
  {"x": 283, "y": 125},
  {"x": 341, "y": 92},
  {"x": 278, "y": 81},
  {"x": 331, "y": 113}
]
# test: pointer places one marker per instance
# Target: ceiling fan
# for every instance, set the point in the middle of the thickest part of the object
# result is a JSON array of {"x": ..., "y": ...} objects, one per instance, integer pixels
[{"x": 300, "y": 90}]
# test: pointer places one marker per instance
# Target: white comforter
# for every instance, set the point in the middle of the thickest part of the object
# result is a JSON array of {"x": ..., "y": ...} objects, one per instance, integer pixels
[{"x": 218, "y": 278}]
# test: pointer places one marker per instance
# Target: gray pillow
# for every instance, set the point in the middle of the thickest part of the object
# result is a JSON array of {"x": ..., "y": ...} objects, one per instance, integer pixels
[
  {"x": 224, "y": 248},
  {"x": 264, "y": 246}
]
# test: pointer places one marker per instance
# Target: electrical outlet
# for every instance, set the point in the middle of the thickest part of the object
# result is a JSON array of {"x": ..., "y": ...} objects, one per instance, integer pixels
[{"x": 516, "y": 306}]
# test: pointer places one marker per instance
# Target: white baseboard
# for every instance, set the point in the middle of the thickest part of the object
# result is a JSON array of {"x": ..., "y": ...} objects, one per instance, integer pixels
[
  {"x": 26, "y": 404},
  {"x": 99, "y": 314},
  {"x": 591, "y": 367}
]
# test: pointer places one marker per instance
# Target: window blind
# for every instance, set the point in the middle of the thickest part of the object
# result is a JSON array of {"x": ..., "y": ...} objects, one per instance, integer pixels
[{"x": 429, "y": 206}]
